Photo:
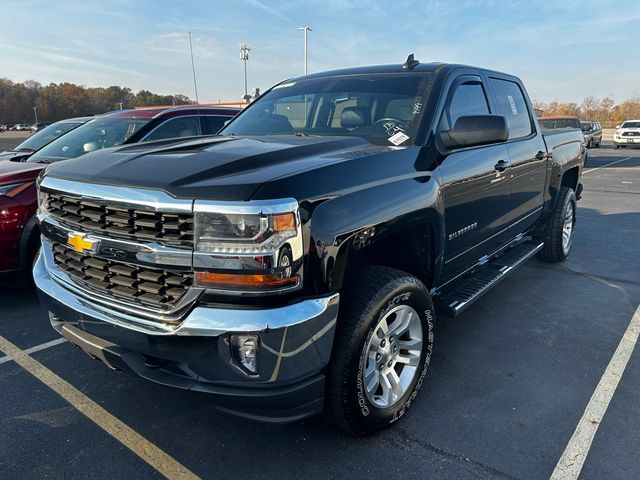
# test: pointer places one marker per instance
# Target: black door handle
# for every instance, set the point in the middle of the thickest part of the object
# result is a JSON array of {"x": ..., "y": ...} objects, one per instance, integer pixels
[
  {"x": 540, "y": 155},
  {"x": 501, "y": 166}
]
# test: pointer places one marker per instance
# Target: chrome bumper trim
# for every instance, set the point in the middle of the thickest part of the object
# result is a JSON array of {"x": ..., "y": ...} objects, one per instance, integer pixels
[{"x": 201, "y": 321}]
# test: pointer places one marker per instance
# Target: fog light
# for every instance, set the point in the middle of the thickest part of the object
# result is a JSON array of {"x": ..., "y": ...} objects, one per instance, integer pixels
[{"x": 245, "y": 352}]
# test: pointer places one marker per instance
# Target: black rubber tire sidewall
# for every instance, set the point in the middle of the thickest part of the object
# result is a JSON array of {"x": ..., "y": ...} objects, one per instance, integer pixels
[
  {"x": 360, "y": 416},
  {"x": 552, "y": 250}
]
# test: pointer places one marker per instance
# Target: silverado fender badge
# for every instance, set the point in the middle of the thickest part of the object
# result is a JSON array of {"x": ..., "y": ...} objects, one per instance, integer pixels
[
  {"x": 464, "y": 230},
  {"x": 80, "y": 243}
]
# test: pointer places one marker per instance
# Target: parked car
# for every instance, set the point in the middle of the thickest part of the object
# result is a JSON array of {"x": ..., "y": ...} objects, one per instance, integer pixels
[
  {"x": 36, "y": 127},
  {"x": 294, "y": 262},
  {"x": 627, "y": 134},
  {"x": 592, "y": 132},
  {"x": 19, "y": 235},
  {"x": 21, "y": 127},
  {"x": 3, "y": 127},
  {"x": 124, "y": 127},
  {"x": 41, "y": 138},
  {"x": 562, "y": 122}
]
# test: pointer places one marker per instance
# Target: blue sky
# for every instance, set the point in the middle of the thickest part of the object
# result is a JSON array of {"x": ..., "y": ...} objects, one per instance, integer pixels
[{"x": 562, "y": 49}]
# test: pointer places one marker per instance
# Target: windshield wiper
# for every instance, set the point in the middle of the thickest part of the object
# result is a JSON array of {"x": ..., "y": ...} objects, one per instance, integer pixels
[
  {"x": 25, "y": 149},
  {"x": 43, "y": 160}
]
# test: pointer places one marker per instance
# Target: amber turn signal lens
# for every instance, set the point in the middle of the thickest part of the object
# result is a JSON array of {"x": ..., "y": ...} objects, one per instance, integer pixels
[
  {"x": 208, "y": 278},
  {"x": 283, "y": 222}
]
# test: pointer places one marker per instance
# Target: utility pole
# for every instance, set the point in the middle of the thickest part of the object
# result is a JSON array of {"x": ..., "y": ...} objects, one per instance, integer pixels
[
  {"x": 35, "y": 113},
  {"x": 305, "y": 30},
  {"x": 244, "y": 56}
]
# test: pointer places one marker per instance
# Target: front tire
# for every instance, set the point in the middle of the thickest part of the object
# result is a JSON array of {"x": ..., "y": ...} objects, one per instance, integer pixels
[
  {"x": 381, "y": 352},
  {"x": 559, "y": 229}
]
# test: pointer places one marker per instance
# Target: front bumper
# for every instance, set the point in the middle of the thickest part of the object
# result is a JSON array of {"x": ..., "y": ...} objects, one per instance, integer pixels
[
  {"x": 295, "y": 344},
  {"x": 626, "y": 140}
]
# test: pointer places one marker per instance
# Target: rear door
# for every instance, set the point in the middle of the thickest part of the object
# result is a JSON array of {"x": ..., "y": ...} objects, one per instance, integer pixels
[
  {"x": 475, "y": 186},
  {"x": 526, "y": 150}
]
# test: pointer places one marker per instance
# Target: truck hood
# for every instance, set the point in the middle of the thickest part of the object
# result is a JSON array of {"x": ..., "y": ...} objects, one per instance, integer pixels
[{"x": 216, "y": 168}]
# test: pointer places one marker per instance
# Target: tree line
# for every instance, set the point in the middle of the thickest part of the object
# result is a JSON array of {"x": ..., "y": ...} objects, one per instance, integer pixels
[
  {"x": 58, "y": 101},
  {"x": 603, "y": 110}
]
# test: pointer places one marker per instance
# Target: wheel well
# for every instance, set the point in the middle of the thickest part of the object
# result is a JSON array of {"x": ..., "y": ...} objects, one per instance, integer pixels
[
  {"x": 410, "y": 250},
  {"x": 570, "y": 178}
]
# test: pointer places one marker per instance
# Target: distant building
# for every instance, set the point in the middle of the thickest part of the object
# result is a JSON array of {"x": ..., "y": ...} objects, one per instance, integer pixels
[{"x": 538, "y": 112}]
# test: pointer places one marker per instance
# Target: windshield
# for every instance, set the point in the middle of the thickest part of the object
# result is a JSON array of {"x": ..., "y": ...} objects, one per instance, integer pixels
[
  {"x": 586, "y": 126},
  {"x": 384, "y": 108},
  {"x": 47, "y": 135},
  {"x": 631, "y": 125},
  {"x": 94, "y": 135}
]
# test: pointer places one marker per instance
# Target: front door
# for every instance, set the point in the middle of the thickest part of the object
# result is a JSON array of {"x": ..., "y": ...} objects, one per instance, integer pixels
[{"x": 475, "y": 184}]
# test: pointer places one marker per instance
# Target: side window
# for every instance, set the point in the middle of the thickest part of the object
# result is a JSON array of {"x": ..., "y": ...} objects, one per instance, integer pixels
[
  {"x": 468, "y": 99},
  {"x": 214, "y": 123},
  {"x": 175, "y": 127},
  {"x": 511, "y": 104}
]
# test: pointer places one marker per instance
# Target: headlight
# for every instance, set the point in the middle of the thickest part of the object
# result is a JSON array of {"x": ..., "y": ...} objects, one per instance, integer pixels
[
  {"x": 13, "y": 189},
  {"x": 43, "y": 202},
  {"x": 248, "y": 247}
]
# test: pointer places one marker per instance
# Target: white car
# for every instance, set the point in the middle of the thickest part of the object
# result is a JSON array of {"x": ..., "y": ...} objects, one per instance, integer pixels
[{"x": 627, "y": 134}]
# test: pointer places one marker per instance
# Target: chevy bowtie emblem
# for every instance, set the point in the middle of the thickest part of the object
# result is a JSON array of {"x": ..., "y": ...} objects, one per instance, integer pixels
[{"x": 80, "y": 243}]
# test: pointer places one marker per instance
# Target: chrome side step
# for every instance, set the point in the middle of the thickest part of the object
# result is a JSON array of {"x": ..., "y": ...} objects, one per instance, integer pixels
[{"x": 469, "y": 288}]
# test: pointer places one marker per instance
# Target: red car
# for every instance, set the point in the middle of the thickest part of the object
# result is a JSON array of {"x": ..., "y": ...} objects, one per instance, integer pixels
[{"x": 19, "y": 235}]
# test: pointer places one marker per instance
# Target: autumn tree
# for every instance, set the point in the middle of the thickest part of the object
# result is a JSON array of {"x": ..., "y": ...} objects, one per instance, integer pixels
[{"x": 57, "y": 101}]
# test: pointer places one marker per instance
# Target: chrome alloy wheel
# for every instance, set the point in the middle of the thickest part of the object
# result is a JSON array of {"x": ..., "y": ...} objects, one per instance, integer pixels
[
  {"x": 392, "y": 356},
  {"x": 567, "y": 228}
]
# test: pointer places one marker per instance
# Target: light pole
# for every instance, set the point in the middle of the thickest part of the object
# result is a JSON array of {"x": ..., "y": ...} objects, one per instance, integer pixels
[
  {"x": 35, "y": 113},
  {"x": 305, "y": 30},
  {"x": 244, "y": 56}
]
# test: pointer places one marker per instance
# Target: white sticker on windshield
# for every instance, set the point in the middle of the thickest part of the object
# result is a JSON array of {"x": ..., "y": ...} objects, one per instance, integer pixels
[
  {"x": 399, "y": 138},
  {"x": 514, "y": 110}
]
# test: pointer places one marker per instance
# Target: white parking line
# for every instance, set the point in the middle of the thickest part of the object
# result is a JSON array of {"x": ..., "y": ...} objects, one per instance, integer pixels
[
  {"x": 606, "y": 165},
  {"x": 37, "y": 348},
  {"x": 572, "y": 460}
]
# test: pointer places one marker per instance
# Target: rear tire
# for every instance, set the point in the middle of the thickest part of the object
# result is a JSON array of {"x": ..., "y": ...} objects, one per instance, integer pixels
[
  {"x": 381, "y": 351},
  {"x": 559, "y": 229}
]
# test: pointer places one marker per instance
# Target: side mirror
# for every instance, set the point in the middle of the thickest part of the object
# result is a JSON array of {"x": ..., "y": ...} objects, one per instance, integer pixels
[
  {"x": 475, "y": 130},
  {"x": 91, "y": 147}
]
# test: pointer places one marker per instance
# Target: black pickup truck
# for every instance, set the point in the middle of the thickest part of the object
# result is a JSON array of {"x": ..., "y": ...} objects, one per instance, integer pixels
[{"x": 295, "y": 263}]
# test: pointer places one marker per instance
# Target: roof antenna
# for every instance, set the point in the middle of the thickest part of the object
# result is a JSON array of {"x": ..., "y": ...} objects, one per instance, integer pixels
[
  {"x": 411, "y": 63},
  {"x": 195, "y": 86}
]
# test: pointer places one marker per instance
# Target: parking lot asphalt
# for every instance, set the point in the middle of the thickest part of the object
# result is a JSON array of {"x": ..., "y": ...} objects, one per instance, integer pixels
[
  {"x": 11, "y": 139},
  {"x": 509, "y": 381}
]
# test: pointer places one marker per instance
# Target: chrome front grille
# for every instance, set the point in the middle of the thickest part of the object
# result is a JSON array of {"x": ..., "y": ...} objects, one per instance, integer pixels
[
  {"x": 631, "y": 134},
  {"x": 112, "y": 220},
  {"x": 157, "y": 288}
]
